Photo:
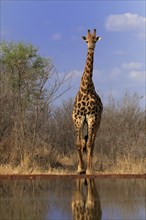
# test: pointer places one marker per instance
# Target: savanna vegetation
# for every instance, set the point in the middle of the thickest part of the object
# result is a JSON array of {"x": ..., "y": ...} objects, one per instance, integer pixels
[{"x": 38, "y": 137}]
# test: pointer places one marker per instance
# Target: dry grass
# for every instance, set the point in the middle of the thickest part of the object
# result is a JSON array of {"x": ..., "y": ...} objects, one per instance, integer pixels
[
  {"x": 127, "y": 165},
  {"x": 67, "y": 165},
  {"x": 119, "y": 147}
]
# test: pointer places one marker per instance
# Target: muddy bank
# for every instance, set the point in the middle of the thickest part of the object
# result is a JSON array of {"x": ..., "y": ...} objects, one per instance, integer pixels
[{"x": 48, "y": 176}]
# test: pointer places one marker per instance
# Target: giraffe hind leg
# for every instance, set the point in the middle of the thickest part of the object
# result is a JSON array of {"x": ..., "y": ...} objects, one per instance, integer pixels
[
  {"x": 84, "y": 137},
  {"x": 92, "y": 130},
  {"x": 84, "y": 147}
]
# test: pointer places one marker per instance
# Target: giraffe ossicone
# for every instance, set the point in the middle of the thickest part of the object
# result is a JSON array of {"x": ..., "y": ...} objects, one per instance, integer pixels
[{"x": 87, "y": 109}]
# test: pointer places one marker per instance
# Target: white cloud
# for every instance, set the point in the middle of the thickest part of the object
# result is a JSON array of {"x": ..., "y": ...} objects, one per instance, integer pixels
[
  {"x": 125, "y": 22},
  {"x": 137, "y": 75},
  {"x": 56, "y": 36},
  {"x": 132, "y": 65},
  {"x": 115, "y": 72},
  {"x": 131, "y": 73}
]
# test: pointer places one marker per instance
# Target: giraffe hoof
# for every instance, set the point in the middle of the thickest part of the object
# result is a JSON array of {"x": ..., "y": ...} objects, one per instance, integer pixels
[
  {"x": 81, "y": 171},
  {"x": 89, "y": 172}
]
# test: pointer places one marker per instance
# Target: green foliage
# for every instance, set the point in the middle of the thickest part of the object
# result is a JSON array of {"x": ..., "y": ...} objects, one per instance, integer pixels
[
  {"x": 13, "y": 52},
  {"x": 24, "y": 93},
  {"x": 24, "y": 68}
]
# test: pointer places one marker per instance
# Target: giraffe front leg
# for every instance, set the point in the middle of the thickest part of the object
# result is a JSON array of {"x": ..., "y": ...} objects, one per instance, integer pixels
[
  {"x": 78, "y": 124},
  {"x": 89, "y": 161},
  {"x": 80, "y": 169},
  {"x": 90, "y": 148}
]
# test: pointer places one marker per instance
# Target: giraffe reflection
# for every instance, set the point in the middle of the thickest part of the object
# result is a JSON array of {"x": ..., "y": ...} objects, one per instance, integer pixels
[{"x": 85, "y": 201}]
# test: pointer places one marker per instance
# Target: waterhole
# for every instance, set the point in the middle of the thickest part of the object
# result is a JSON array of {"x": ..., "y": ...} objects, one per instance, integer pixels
[{"x": 73, "y": 198}]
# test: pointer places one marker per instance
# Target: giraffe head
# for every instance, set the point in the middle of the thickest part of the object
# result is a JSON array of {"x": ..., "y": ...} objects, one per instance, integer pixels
[{"x": 91, "y": 39}]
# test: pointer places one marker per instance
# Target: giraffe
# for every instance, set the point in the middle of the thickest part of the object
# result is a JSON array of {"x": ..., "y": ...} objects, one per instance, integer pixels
[
  {"x": 85, "y": 201},
  {"x": 87, "y": 109}
]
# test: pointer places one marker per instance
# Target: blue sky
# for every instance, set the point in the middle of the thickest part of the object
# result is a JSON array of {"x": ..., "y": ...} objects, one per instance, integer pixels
[{"x": 56, "y": 27}]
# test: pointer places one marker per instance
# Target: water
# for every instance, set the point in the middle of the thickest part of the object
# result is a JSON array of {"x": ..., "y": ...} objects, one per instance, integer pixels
[{"x": 73, "y": 198}]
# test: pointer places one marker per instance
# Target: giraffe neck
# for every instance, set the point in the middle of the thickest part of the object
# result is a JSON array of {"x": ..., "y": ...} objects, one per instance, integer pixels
[{"x": 86, "y": 81}]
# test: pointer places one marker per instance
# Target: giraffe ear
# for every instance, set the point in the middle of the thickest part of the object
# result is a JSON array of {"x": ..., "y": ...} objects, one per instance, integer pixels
[
  {"x": 83, "y": 37},
  {"x": 98, "y": 38}
]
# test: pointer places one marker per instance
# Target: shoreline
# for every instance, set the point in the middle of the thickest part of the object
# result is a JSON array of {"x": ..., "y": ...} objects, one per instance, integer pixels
[{"x": 49, "y": 176}]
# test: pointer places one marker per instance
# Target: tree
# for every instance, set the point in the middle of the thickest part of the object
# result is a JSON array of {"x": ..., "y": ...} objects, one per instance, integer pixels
[{"x": 28, "y": 85}]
